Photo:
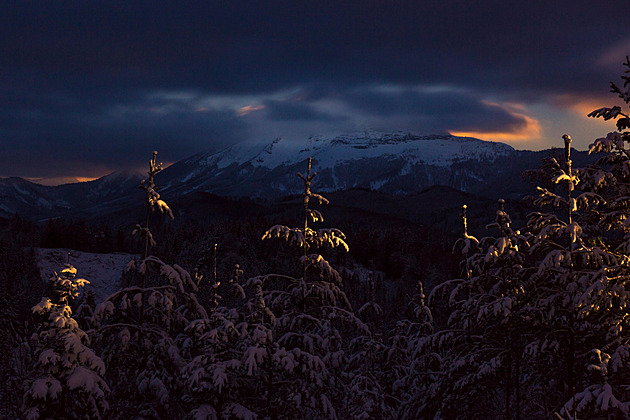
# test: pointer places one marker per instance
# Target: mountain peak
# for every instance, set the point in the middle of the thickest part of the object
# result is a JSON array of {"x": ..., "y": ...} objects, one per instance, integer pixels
[
  {"x": 367, "y": 158},
  {"x": 436, "y": 149}
]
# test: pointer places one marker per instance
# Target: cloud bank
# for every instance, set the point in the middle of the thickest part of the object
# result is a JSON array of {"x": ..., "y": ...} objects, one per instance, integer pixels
[{"x": 87, "y": 88}]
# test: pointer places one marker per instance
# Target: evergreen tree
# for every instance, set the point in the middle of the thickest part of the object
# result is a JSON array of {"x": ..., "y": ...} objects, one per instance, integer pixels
[
  {"x": 313, "y": 321},
  {"x": 602, "y": 307},
  {"x": 20, "y": 285},
  {"x": 411, "y": 370},
  {"x": 138, "y": 328},
  {"x": 367, "y": 384},
  {"x": 470, "y": 369},
  {"x": 217, "y": 376},
  {"x": 70, "y": 383}
]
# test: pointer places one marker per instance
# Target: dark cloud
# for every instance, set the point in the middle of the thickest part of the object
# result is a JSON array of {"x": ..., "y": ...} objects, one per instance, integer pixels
[
  {"x": 293, "y": 110},
  {"x": 441, "y": 110},
  {"x": 58, "y": 136},
  {"x": 82, "y": 80},
  {"x": 258, "y": 46}
]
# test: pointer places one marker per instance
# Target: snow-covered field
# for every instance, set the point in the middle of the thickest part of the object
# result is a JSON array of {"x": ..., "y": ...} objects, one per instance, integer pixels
[{"x": 103, "y": 271}]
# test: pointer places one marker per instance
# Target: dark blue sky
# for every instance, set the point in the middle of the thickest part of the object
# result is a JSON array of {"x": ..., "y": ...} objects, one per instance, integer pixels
[{"x": 86, "y": 89}]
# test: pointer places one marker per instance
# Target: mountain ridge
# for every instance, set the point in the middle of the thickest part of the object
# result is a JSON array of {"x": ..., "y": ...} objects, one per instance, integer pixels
[
  {"x": 398, "y": 163},
  {"x": 368, "y": 160}
]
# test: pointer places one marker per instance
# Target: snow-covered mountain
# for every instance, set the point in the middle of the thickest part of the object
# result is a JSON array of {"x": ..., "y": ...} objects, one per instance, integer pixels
[
  {"x": 393, "y": 163},
  {"x": 390, "y": 162},
  {"x": 440, "y": 150},
  {"x": 19, "y": 196}
]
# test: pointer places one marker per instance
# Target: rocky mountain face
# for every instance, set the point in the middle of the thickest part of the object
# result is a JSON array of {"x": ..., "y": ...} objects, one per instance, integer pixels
[{"x": 390, "y": 163}]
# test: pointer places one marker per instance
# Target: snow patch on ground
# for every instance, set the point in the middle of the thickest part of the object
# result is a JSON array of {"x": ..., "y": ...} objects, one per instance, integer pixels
[
  {"x": 375, "y": 185},
  {"x": 42, "y": 202},
  {"x": 190, "y": 176},
  {"x": 21, "y": 190},
  {"x": 103, "y": 271},
  {"x": 6, "y": 209}
]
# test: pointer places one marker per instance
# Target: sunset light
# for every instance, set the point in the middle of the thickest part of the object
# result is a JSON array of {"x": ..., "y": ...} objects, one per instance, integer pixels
[
  {"x": 326, "y": 210},
  {"x": 528, "y": 130}
]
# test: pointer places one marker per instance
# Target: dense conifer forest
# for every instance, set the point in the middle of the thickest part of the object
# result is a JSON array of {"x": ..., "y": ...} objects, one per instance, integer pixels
[{"x": 287, "y": 313}]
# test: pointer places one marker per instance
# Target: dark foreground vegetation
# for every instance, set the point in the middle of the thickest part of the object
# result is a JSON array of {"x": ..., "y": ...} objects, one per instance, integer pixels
[{"x": 529, "y": 322}]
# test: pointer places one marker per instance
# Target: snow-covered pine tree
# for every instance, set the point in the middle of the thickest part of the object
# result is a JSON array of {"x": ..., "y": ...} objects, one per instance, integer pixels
[
  {"x": 85, "y": 310},
  {"x": 70, "y": 383},
  {"x": 152, "y": 202},
  {"x": 219, "y": 382},
  {"x": 309, "y": 239},
  {"x": 138, "y": 328},
  {"x": 20, "y": 286},
  {"x": 473, "y": 364},
  {"x": 610, "y": 176},
  {"x": 408, "y": 371},
  {"x": 615, "y": 112},
  {"x": 313, "y": 319},
  {"x": 580, "y": 281},
  {"x": 367, "y": 384},
  {"x": 547, "y": 325},
  {"x": 371, "y": 312},
  {"x": 261, "y": 356},
  {"x": 603, "y": 305}
]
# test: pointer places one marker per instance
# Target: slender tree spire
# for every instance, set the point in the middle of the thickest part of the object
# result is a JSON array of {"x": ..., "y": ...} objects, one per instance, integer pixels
[
  {"x": 503, "y": 219},
  {"x": 214, "y": 263},
  {"x": 568, "y": 170},
  {"x": 151, "y": 198},
  {"x": 465, "y": 220},
  {"x": 306, "y": 196},
  {"x": 308, "y": 238},
  {"x": 570, "y": 359}
]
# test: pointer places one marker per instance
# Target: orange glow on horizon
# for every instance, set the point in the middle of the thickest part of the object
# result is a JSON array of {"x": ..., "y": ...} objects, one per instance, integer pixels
[
  {"x": 531, "y": 130},
  {"x": 584, "y": 106}
]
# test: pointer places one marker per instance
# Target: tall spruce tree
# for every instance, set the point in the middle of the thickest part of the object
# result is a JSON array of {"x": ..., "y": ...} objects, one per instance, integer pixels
[
  {"x": 137, "y": 328},
  {"x": 477, "y": 354},
  {"x": 313, "y": 320},
  {"x": 367, "y": 383},
  {"x": 602, "y": 389},
  {"x": 218, "y": 377}
]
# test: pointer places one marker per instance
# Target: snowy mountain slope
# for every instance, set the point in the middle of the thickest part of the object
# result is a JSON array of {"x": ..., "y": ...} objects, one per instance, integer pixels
[
  {"x": 19, "y": 196},
  {"x": 106, "y": 188},
  {"x": 439, "y": 150},
  {"x": 392, "y": 162}
]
